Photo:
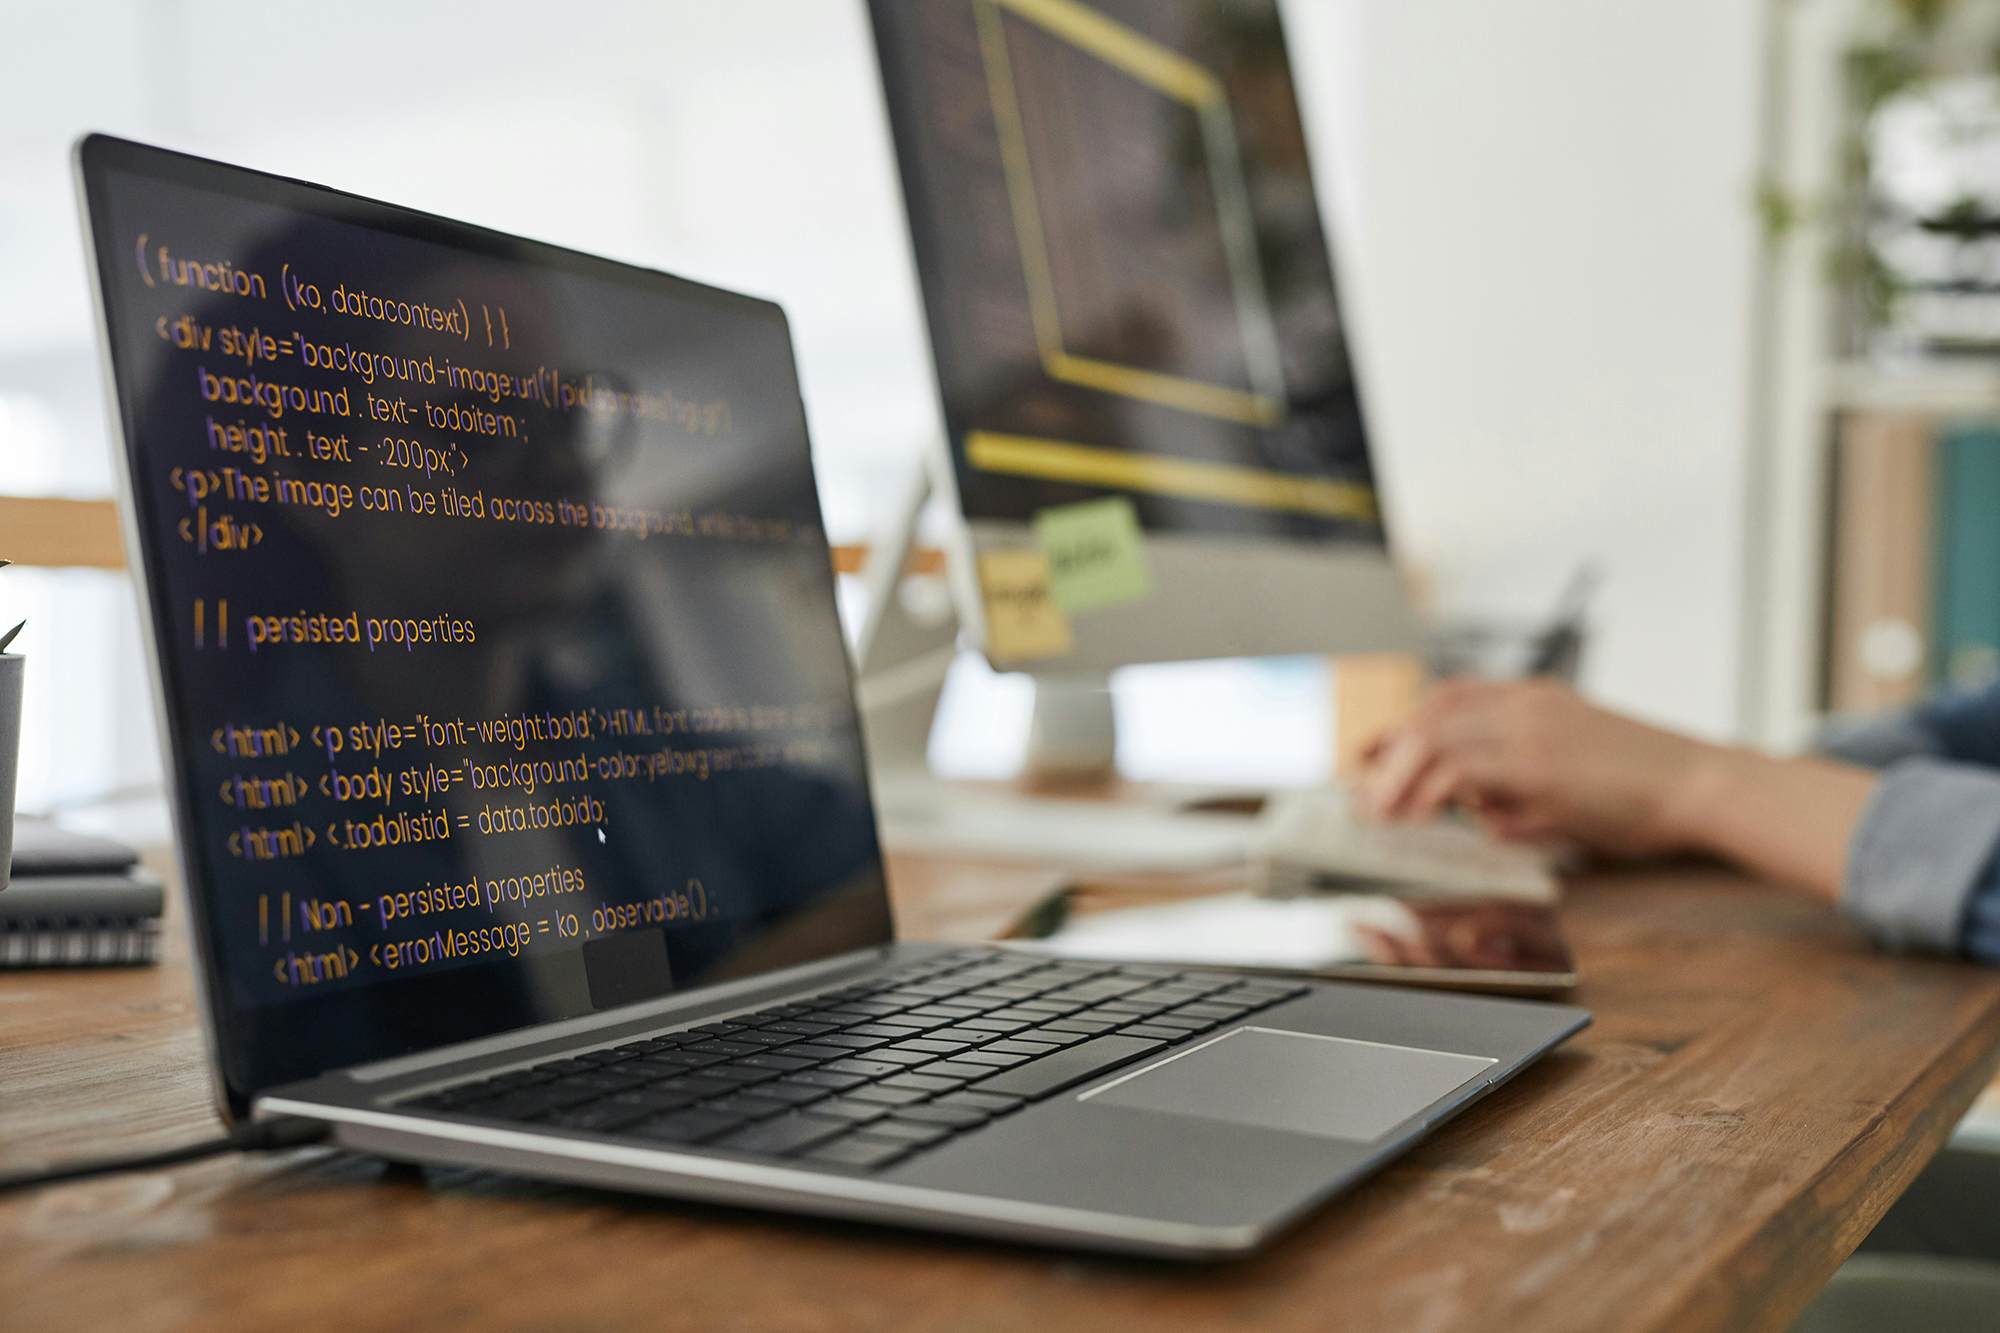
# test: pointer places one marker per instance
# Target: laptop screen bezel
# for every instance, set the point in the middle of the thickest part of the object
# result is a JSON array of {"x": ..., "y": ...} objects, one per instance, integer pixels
[{"x": 243, "y": 1069}]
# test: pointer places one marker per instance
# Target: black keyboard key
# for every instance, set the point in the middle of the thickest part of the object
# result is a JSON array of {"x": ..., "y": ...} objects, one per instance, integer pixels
[
  {"x": 1150, "y": 1030},
  {"x": 840, "y": 1108},
  {"x": 885, "y": 1095},
  {"x": 523, "y": 1104},
  {"x": 677, "y": 1060},
  {"x": 956, "y": 1069},
  {"x": 608, "y": 1081},
  {"x": 944, "y": 1013},
  {"x": 746, "y": 1105},
  {"x": 788, "y": 1093},
  {"x": 973, "y": 1036},
  {"x": 871, "y": 1007},
  {"x": 765, "y": 1037},
  {"x": 1095, "y": 991},
  {"x": 924, "y": 1082},
  {"x": 654, "y": 1100},
  {"x": 936, "y": 1113},
  {"x": 925, "y": 1046},
  {"x": 965, "y": 1006},
  {"x": 616, "y": 1055},
  {"x": 1206, "y": 1010},
  {"x": 860, "y": 1152},
  {"x": 1165, "y": 995},
  {"x": 939, "y": 988},
  {"x": 859, "y": 1065},
  {"x": 599, "y": 1116},
  {"x": 705, "y": 1084},
  {"x": 788, "y": 1134},
  {"x": 1053, "y": 1073},
  {"x": 887, "y": 1030},
  {"x": 734, "y": 1075},
  {"x": 1052, "y": 1036},
  {"x": 1021, "y": 1015},
  {"x": 798, "y": 1026},
  {"x": 1021, "y": 1045},
  {"x": 909, "y": 1131},
  {"x": 989, "y": 996},
  {"x": 990, "y": 1102},
  {"x": 832, "y": 1080},
  {"x": 808, "y": 1050},
  {"x": 1001, "y": 1025},
  {"x": 765, "y": 1060},
  {"x": 994, "y": 1059},
  {"x": 722, "y": 1047},
  {"x": 833, "y": 1015},
  {"x": 1119, "y": 1012},
  {"x": 924, "y": 1022},
  {"x": 1087, "y": 1026},
  {"x": 1184, "y": 1022},
  {"x": 848, "y": 1041},
  {"x": 896, "y": 1057},
  {"x": 690, "y": 1126},
  {"x": 718, "y": 1029}
]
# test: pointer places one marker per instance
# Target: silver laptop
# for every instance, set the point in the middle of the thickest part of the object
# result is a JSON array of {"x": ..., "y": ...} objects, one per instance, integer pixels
[{"x": 522, "y": 805}]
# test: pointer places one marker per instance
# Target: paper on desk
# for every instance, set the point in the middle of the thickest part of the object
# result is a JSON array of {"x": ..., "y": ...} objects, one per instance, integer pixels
[
  {"x": 1023, "y": 622},
  {"x": 1097, "y": 555}
]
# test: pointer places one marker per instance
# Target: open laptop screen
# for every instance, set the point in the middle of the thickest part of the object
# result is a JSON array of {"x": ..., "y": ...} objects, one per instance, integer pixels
[{"x": 494, "y": 618}]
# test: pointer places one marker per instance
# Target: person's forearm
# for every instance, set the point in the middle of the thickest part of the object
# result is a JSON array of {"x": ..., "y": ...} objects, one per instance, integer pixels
[{"x": 1784, "y": 819}]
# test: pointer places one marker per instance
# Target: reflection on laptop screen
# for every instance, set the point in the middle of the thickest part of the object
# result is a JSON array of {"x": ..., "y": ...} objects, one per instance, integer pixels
[{"x": 494, "y": 615}]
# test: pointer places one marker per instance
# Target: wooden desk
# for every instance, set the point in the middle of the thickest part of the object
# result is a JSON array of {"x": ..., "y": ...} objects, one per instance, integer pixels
[{"x": 1758, "y": 1088}]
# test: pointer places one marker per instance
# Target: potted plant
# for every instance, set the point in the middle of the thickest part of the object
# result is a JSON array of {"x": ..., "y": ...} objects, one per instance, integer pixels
[{"x": 11, "y": 670}]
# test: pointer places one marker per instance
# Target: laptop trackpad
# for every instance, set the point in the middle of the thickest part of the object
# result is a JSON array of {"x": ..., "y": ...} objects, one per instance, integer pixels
[{"x": 1297, "y": 1081}]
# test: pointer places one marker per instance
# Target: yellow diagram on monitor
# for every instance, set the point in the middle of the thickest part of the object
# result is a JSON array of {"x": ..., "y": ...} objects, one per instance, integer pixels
[{"x": 1131, "y": 55}]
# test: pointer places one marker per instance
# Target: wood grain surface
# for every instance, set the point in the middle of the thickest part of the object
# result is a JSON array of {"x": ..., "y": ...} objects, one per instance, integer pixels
[{"x": 1759, "y": 1085}]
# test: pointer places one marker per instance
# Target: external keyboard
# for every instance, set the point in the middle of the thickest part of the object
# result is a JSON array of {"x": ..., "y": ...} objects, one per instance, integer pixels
[{"x": 864, "y": 1075}]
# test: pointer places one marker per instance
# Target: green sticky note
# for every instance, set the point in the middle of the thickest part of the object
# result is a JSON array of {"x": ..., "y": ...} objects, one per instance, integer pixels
[{"x": 1097, "y": 555}]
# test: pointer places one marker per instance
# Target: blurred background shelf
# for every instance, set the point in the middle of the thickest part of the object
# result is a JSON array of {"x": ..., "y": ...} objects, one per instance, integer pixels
[{"x": 60, "y": 533}]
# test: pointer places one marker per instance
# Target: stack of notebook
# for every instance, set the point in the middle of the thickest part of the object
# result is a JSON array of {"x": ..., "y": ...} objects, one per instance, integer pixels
[{"x": 74, "y": 900}]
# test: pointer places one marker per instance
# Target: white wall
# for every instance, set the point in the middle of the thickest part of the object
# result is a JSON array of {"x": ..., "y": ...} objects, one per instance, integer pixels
[
  {"x": 1548, "y": 253},
  {"x": 1550, "y": 263}
]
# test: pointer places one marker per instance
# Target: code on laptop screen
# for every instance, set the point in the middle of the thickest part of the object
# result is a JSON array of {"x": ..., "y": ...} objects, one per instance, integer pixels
[{"x": 494, "y": 616}]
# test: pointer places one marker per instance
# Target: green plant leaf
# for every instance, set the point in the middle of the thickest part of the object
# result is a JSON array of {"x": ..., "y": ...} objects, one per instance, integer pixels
[{"x": 8, "y": 637}]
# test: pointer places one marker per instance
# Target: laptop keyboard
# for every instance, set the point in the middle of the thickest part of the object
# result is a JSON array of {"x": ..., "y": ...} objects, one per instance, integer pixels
[{"x": 865, "y": 1075}]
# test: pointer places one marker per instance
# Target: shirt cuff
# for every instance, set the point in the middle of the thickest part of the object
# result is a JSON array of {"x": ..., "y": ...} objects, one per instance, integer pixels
[
  {"x": 1876, "y": 741},
  {"x": 1927, "y": 833}
]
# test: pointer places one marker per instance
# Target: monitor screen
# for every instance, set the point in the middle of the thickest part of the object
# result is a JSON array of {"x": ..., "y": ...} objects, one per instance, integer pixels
[
  {"x": 1127, "y": 281},
  {"x": 494, "y": 618}
]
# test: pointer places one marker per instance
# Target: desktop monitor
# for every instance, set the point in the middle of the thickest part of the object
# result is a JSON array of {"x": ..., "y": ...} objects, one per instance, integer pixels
[{"x": 1157, "y": 441}]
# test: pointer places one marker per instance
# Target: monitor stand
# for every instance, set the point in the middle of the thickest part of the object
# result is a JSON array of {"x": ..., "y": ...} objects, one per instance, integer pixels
[
  {"x": 908, "y": 640},
  {"x": 1072, "y": 734}
]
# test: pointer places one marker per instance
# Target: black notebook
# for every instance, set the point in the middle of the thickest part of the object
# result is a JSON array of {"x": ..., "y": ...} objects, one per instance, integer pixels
[{"x": 74, "y": 900}]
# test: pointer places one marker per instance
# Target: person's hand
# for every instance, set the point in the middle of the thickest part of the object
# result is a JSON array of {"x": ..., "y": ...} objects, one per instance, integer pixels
[{"x": 1533, "y": 762}]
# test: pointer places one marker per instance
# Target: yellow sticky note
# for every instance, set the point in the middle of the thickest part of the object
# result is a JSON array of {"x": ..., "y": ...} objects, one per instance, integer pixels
[
  {"x": 1023, "y": 622},
  {"x": 1097, "y": 554}
]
